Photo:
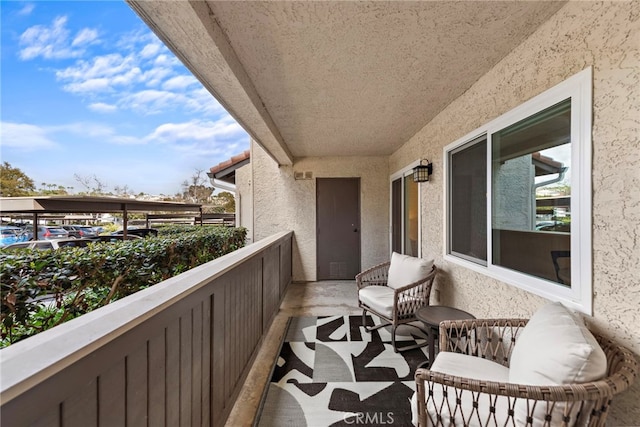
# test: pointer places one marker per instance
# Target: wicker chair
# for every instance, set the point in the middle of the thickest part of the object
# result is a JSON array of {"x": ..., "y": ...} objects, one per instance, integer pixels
[
  {"x": 495, "y": 403},
  {"x": 399, "y": 303}
]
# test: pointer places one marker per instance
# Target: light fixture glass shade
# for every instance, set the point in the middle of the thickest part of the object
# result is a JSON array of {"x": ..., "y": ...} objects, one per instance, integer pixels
[{"x": 421, "y": 172}]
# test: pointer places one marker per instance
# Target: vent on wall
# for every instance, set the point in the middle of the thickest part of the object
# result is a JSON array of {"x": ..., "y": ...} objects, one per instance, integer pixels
[{"x": 302, "y": 175}]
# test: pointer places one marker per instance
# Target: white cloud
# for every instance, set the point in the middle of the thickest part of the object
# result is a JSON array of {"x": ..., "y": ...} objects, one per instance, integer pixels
[
  {"x": 110, "y": 65},
  {"x": 102, "y": 73},
  {"x": 97, "y": 131},
  {"x": 86, "y": 129},
  {"x": 166, "y": 61},
  {"x": 85, "y": 36},
  {"x": 27, "y": 9},
  {"x": 200, "y": 138},
  {"x": 138, "y": 74},
  {"x": 101, "y": 107},
  {"x": 150, "y": 50},
  {"x": 179, "y": 82},
  {"x": 131, "y": 40},
  {"x": 25, "y": 137},
  {"x": 150, "y": 101},
  {"x": 127, "y": 140},
  {"x": 201, "y": 100},
  {"x": 88, "y": 86},
  {"x": 54, "y": 42},
  {"x": 155, "y": 76}
]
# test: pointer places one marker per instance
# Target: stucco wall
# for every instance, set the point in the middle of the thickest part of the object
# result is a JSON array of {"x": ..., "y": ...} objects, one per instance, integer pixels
[
  {"x": 607, "y": 37},
  {"x": 244, "y": 199},
  {"x": 283, "y": 203}
]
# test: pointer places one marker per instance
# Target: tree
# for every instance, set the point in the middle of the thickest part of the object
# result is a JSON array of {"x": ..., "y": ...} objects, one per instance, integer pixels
[
  {"x": 52, "y": 190},
  {"x": 123, "y": 191},
  {"x": 195, "y": 189},
  {"x": 14, "y": 182},
  {"x": 229, "y": 201},
  {"x": 92, "y": 183}
]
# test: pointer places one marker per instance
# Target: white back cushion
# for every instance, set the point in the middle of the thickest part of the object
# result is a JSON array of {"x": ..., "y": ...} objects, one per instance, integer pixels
[
  {"x": 405, "y": 270},
  {"x": 554, "y": 348}
]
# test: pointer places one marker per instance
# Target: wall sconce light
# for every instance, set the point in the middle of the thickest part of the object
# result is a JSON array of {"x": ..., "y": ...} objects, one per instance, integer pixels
[{"x": 421, "y": 172}]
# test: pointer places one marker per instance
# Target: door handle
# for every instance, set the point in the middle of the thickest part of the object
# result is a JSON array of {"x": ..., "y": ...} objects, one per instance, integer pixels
[{"x": 355, "y": 230}]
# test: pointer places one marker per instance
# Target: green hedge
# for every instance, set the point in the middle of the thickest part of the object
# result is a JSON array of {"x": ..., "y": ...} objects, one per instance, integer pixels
[{"x": 74, "y": 281}]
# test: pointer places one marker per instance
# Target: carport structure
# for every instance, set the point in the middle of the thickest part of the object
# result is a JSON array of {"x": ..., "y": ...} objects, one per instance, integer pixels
[{"x": 87, "y": 204}]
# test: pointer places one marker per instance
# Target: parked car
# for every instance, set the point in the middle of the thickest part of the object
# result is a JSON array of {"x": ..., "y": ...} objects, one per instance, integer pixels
[
  {"x": 9, "y": 235},
  {"x": 115, "y": 238},
  {"x": 50, "y": 244},
  {"x": 80, "y": 231},
  {"x": 44, "y": 232},
  {"x": 562, "y": 227},
  {"x": 541, "y": 224},
  {"x": 142, "y": 232}
]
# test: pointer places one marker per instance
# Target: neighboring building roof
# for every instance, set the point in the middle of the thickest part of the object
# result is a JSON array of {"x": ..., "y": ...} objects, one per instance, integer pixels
[
  {"x": 546, "y": 165},
  {"x": 226, "y": 171}
]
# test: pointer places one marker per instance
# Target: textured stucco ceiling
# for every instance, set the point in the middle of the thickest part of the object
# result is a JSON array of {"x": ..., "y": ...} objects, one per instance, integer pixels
[{"x": 340, "y": 78}]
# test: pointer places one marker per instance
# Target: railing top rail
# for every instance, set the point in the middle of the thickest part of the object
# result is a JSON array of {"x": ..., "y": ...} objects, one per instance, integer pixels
[{"x": 25, "y": 364}]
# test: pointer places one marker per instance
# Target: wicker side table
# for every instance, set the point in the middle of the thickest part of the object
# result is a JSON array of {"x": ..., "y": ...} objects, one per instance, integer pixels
[{"x": 432, "y": 315}]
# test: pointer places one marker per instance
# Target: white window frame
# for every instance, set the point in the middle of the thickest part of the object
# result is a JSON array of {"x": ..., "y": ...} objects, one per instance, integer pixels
[
  {"x": 580, "y": 295},
  {"x": 406, "y": 173}
]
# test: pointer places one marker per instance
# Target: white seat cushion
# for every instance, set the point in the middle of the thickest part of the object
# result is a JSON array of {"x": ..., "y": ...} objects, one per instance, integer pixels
[
  {"x": 405, "y": 270},
  {"x": 554, "y": 348},
  {"x": 477, "y": 368},
  {"x": 465, "y": 366},
  {"x": 378, "y": 298}
]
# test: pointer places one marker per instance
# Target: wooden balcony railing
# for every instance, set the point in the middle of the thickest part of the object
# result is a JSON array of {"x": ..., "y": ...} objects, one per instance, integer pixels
[{"x": 175, "y": 354}]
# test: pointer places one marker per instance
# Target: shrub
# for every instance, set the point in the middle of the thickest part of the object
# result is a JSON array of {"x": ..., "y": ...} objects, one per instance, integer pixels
[{"x": 41, "y": 289}]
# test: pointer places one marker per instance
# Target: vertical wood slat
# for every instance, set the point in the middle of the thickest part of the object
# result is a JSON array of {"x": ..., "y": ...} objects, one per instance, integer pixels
[
  {"x": 49, "y": 418},
  {"x": 206, "y": 362},
  {"x": 196, "y": 367},
  {"x": 168, "y": 370},
  {"x": 111, "y": 396},
  {"x": 271, "y": 283},
  {"x": 81, "y": 409},
  {"x": 228, "y": 332},
  {"x": 137, "y": 387},
  {"x": 186, "y": 328},
  {"x": 157, "y": 374},
  {"x": 172, "y": 381},
  {"x": 218, "y": 351},
  {"x": 285, "y": 265}
]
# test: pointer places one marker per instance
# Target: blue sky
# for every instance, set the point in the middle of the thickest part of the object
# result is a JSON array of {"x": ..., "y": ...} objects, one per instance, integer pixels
[{"x": 87, "y": 89}]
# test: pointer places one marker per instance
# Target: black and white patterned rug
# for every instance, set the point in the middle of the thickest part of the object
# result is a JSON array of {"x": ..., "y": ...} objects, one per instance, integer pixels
[{"x": 331, "y": 372}]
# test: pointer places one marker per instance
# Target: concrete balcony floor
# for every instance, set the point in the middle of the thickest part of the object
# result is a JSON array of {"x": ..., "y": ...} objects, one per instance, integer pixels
[{"x": 302, "y": 299}]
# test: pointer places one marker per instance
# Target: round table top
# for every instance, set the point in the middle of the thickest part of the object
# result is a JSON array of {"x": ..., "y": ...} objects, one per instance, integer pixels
[{"x": 432, "y": 315}]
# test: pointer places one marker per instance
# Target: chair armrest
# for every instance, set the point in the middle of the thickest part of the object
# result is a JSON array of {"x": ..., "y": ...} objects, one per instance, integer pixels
[
  {"x": 408, "y": 299},
  {"x": 374, "y": 276},
  {"x": 492, "y": 339},
  {"x": 552, "y": 393}
]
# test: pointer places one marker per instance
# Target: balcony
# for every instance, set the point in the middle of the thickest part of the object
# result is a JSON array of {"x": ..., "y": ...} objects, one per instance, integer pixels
[
  {"x": 175, "y": 354},
  {"x": 322, "y": 112}
]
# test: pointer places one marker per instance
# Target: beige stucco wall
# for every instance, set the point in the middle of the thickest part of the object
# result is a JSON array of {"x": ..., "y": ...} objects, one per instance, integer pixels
[
  {"x": 244, "y": 200},
  {"x": 607, "y": 37},
  {"x": 282, "y": 203}
]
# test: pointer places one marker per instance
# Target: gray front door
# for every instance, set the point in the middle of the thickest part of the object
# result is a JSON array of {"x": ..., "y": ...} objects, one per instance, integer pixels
[{"x": 338, "y": 228}]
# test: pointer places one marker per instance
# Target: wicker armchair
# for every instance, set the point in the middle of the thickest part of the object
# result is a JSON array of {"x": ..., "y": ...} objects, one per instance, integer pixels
[
  {"x": 496, "y": 403},
  {"x": 395, "y": 305}
]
